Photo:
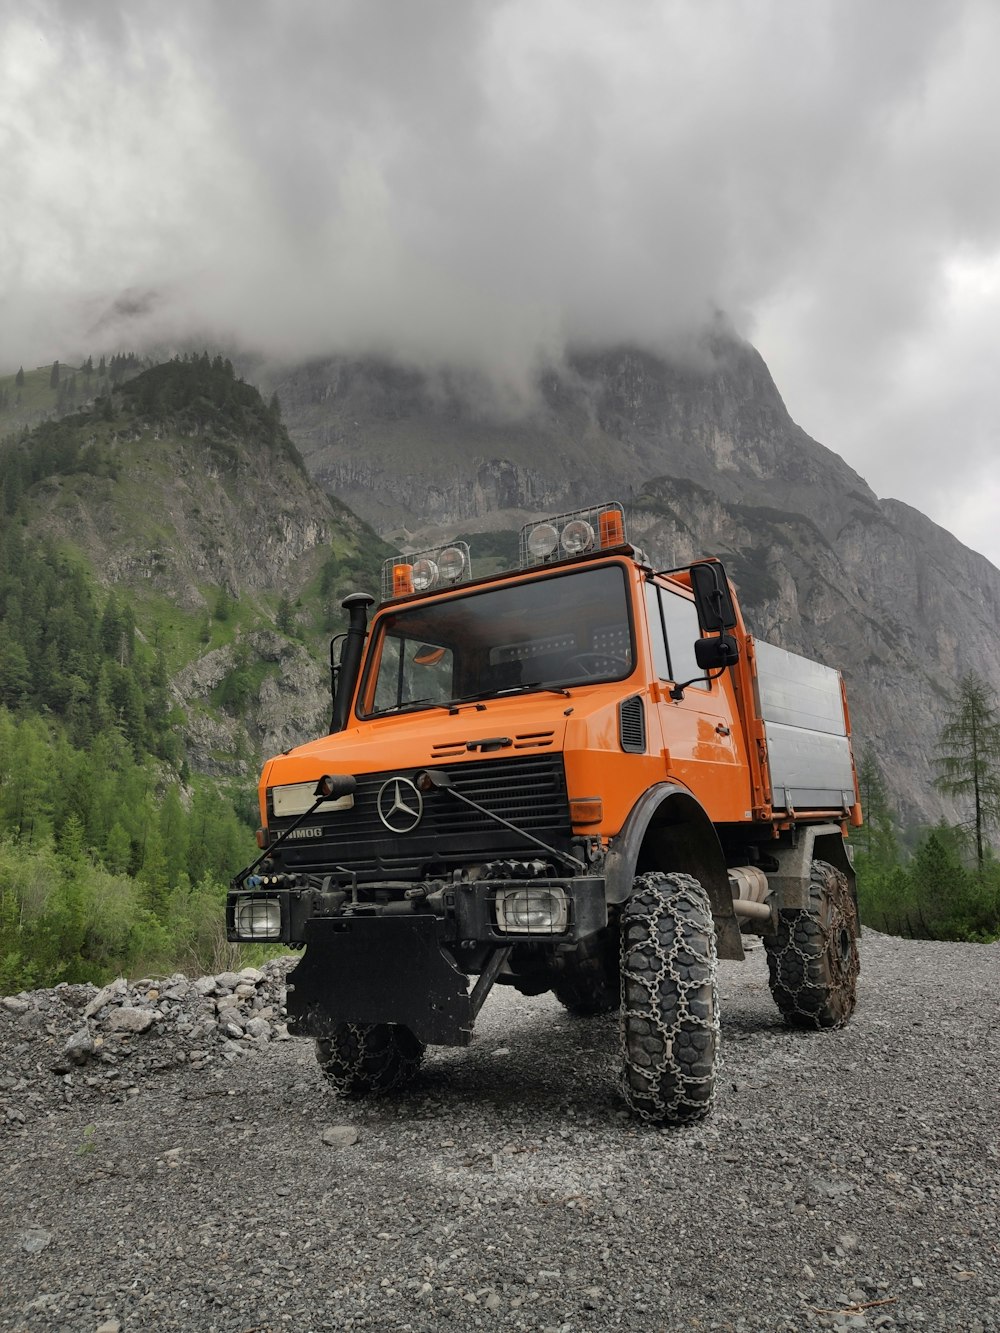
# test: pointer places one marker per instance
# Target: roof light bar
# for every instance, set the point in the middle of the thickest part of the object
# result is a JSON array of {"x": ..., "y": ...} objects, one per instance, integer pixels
[
  {"x": 426, "y": 571},
  {"x": 575, "y": 533}
]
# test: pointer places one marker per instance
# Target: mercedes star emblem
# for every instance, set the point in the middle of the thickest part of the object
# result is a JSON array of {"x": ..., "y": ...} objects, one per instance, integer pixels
[{"x": 400, "y": 805}]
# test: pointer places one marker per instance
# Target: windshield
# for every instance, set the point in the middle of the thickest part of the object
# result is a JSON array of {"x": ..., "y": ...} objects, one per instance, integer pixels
[{"x": 548, "y": 633}]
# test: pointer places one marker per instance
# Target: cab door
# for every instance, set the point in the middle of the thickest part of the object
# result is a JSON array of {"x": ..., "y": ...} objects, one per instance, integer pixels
[{"x": 702, "y": 741}]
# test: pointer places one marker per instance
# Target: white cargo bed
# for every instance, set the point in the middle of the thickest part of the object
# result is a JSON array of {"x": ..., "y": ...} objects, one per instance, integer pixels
[{"x": 808, "y": 748}]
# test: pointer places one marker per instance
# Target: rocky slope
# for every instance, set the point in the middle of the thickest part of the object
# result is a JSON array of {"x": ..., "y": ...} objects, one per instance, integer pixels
[
  {"x": 186, "y": 493},
  {"x": 708, "y": 461}
]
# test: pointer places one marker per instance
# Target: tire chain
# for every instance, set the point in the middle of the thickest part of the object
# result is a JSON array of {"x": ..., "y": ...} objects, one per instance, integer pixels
[
  {"x": 361, "y": 1059},
  {"x": 669, "y": 1034},
  {"x": 810, "y": 983}
]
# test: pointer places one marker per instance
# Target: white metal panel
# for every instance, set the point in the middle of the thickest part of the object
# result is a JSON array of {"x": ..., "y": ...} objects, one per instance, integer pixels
[
  {"x": 797, "y": 691},
  {"x": 808, "y": 749},
  {"x": 810, "y": 770}
]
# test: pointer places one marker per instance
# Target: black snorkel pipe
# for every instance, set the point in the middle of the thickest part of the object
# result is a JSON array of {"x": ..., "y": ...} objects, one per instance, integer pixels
[{"x": 356, "y": 605}]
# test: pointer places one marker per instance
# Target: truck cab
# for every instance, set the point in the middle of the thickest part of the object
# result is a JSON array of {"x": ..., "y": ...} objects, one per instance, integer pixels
[{"x": 557, "y": 777}]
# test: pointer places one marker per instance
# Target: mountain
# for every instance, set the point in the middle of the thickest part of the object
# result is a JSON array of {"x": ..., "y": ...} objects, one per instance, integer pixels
[
  {"x": 183, "y": 488},
  {"x": 705, "y": 456},
  {"x": 182, "y": 492}
]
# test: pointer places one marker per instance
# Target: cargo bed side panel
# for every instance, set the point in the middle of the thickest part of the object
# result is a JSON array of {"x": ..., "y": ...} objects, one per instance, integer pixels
[{"x": 808, "y": 747}]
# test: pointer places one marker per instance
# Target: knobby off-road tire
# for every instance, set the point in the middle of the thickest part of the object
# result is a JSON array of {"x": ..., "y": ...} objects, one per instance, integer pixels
[
  {"x": 669, "y": 999},
  {"x": 590, "y": 983},
  {"x": 360, "y": 1061},
  {"x": 813, "y": 957}
]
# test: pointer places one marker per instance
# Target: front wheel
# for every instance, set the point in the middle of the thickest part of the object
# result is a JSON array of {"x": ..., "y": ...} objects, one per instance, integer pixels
[
  {"x": 360, "y": 1060},
  {"x": 669, "y": 999},
  {"x": 588, "y": 983},
  {"x": 812, "y": 959}
]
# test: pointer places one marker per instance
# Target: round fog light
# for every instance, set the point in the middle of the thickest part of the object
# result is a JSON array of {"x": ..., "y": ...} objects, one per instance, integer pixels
[
  {"x": 543, "y": 540},
  {"x": 577, "y": 537},
  {"x": 425, "y": 574},
  {"x": 451, "y": 563}
]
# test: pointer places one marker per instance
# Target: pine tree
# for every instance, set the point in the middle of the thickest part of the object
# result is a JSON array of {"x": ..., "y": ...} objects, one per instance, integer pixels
[
  {"x": 223, "y": 604},
  {"x": 285, "y": 618},
  {"x": 54, "y": 376},
  {"x": 19, "y": 377},
  {"x": 969, "y": 756}
]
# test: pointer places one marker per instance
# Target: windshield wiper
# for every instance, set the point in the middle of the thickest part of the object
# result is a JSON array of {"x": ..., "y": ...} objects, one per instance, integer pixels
[
  {"x": 411, "y": 703},
  {"x": 522, "y": 688}
]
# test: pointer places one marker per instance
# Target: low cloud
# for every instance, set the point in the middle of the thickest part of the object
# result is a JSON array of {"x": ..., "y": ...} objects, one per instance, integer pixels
[{"x": 482, "y": 183}]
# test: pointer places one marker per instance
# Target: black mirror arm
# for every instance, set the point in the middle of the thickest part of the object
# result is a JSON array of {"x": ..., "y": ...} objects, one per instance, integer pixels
[
  {"x": 677, "y": 691},
  {"x": 241, "y": 878}
]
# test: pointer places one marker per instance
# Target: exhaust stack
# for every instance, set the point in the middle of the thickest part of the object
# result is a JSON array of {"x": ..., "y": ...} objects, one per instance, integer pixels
[{"x": 356, "y": 605}]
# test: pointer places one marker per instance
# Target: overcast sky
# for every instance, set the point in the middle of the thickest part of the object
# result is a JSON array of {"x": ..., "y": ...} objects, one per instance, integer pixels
[{"x": 462, "y": 180}]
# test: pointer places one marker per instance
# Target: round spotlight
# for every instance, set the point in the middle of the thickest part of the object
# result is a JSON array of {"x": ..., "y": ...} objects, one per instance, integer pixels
[
  {"x": 425, "y": 573},
  {"x": 542, "y": 541},
  {"x": 451, "y": 564},
  {"x": 577, "y": 537}
]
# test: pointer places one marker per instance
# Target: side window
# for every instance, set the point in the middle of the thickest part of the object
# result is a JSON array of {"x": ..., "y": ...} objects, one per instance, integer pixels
[
  {"x": 681, "y": 621},
  {"x": 661, "y": 662}
]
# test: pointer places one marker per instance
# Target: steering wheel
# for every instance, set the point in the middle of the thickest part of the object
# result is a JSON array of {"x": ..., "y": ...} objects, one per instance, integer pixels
[{"x": 597, "y": 664}]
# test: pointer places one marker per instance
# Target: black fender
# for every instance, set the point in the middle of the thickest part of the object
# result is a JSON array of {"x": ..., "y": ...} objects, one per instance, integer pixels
[{"x": 668, "y": 829}]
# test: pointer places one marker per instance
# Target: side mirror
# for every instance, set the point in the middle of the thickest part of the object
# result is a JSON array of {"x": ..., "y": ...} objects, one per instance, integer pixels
[
  {"x": 712, "y": 597},
  {"x": 716, "y": 653}
]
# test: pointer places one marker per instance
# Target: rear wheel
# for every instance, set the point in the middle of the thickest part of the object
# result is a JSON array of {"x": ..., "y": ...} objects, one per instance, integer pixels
[
  {"x": 360, "y": 1060},
  {"x": 669, "y": 999},
  {"x": 812, "y": 959}
]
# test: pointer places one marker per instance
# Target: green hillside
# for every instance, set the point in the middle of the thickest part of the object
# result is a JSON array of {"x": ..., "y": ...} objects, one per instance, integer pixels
[
  {"x": 42, "y": 393},
  {"x": 169, "y": 579}
]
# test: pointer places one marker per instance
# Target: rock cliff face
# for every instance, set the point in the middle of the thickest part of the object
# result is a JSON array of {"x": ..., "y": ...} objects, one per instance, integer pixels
[
  {"x": 401, "y": 447},
  {"x": 181, "y": 517},
  {"x": 708, "y": 462},
  {"x": 291, "y": 704},
  {"x": 177, "y": 510}
]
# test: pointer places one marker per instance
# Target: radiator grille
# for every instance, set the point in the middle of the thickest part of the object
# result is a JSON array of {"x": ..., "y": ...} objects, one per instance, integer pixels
[{"x": 529, "y": 792}]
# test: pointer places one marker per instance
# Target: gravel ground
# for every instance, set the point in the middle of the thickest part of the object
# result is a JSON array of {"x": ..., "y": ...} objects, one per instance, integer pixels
[{"x": 844, "y": 1180}]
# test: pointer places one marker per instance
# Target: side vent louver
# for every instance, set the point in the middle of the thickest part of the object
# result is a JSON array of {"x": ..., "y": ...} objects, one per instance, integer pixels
[{"x": 632, "y": 725}]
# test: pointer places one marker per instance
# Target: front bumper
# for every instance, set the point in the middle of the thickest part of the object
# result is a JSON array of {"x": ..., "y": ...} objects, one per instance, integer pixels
[
  {"x": 406, "y": 960},
  {"x": 467, "y": 911}
]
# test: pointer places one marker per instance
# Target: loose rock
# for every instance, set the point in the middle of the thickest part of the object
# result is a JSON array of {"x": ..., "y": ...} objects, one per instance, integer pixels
[{"x": 340, "y": 1136}]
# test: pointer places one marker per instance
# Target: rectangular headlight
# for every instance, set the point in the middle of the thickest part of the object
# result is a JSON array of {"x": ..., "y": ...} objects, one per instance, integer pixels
[
  {"x": 257, "y": 918},
  {"x": 532, "y": 911}
]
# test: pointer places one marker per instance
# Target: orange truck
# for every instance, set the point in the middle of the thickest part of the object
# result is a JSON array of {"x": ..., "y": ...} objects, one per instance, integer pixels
[{"x": 582, "y": 775}]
